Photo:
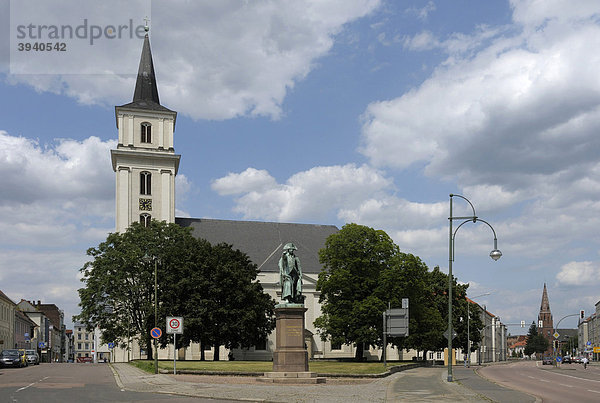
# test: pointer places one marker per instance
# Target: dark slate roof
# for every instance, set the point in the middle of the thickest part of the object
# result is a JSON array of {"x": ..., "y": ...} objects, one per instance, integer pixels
[
  {"x": 263, "y": 241},
  {"x": 566, "y": 334},
  {"x": 145, "y": 95}
]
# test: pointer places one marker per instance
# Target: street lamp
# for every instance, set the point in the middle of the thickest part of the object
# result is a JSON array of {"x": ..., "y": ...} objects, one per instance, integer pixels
[
  {"x": 469, "y": 328},
  {"x": 148, "y": 258},
  {"x": 495, "y": 254}
]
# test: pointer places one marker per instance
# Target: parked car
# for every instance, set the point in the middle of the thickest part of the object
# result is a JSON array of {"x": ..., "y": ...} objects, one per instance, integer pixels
[
  {"x": 32, "y": 357},
  {"x": 12, "y": 358},
  {"x": 547, "y": 360},
  {"x": 567, "y": 359}
]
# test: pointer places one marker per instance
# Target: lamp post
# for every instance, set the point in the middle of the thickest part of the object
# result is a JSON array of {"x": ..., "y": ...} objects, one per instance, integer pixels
[
  {"x": 494, "y": 254},
  {"x": 469, "y": 328},
  {"x": 148, "y": 258}
]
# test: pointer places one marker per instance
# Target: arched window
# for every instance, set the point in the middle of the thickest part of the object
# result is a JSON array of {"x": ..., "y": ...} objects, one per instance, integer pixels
[
  {"x": 145, "y": 219},
  {"x": 146, "y": 132},
  {"x": 145, "y": 183}
]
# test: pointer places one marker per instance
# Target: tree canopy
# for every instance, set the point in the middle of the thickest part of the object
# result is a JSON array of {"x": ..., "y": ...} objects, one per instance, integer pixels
[
  {"x": 213, "y": 287},
  {"x": 365, "y": 272},
  {"x": 536, "y": 343}
]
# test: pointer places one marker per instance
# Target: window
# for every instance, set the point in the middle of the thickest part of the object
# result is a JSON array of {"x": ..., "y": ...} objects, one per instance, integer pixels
[
  {"x": 145, "y": 219},
  {"x": 78, "y": 346},
  {"x": 87, "y": 346},
  {"x": 145, "y": 183},
  {"x": 87, "y": 336},
  {"x": 336, "y": 346},
  {"x": 439, "y": 355},
  {"x": 78, "y": 336},
  {"x": 431, "y": 355},
  {"x": 146, "y": 132}
]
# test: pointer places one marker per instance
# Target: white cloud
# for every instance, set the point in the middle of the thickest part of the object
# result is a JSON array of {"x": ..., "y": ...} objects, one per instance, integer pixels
[
  {"x": 423, "y": 12},
  {"x": 251, "y": 180},
  {"x": 313, "y": 193},
  {"x": 579, "y": 273},
  {"x": 62, "y": 171},
  {"x": 222, "y": 59}
]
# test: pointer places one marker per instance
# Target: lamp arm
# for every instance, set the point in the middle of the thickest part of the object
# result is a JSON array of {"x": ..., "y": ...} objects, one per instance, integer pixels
[
  {"x": 468, "y": 201},
  {"x": 474, "y": 220}
]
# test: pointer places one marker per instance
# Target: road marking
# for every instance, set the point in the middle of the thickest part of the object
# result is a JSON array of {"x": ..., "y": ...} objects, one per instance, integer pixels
[
  {"x": 566, "y": 386},
  {"x": 31, "y": 384},
  {"x": 595, "y": 391},
  {"x": 544, "y": 380}
]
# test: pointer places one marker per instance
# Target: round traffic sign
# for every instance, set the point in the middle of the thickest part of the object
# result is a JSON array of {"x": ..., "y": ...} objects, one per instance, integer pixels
[
  {"x": 156, "y": 333},
  {"x": 174, "y": 324}
]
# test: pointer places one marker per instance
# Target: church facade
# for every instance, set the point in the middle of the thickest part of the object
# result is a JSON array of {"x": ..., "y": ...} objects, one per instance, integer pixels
[{"x": 145, "y": 165}]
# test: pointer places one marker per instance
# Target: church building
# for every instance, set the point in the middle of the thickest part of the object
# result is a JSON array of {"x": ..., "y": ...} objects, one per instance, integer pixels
[
  {"x": 545, "y": 321},
  {"x": 145, "y": 165}
]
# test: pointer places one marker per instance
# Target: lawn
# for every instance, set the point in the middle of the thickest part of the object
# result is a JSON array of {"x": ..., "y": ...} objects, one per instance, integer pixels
[{"x": 321, "y": 367}]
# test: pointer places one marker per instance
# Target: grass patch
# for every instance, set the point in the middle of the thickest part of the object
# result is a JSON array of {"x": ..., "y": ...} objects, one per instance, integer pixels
[
  {"x": 322, "y": 367},
  {"x": 144, "y": 365}
]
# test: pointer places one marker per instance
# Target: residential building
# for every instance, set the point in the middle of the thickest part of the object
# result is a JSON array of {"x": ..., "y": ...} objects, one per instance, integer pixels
[
  {"x": 7, "y": 322},
  {"x": 56, "y": 330},
  {"x": 41, "y": 332},
  {"x": 70, "y": 346},
  {"x": 24, "y": 331},
  {"x": 83, "y": 343},
  {"x": 516, "y": 345}
]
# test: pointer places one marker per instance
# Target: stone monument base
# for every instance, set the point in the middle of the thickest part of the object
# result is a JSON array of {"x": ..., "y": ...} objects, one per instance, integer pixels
[{"x": 292, "y": 377}]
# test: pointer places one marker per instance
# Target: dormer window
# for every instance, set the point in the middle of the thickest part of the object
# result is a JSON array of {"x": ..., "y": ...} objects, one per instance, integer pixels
[
  {"x": 146, "y": 132},
  {"x": 145, "y": 183}
]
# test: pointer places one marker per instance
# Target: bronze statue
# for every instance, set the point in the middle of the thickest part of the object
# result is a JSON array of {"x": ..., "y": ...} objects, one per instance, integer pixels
[{"x": 290, "y": 275}]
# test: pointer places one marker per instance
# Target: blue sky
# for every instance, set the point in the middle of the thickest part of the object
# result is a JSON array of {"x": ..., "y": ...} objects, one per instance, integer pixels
[{"x": 330, "y": 111}]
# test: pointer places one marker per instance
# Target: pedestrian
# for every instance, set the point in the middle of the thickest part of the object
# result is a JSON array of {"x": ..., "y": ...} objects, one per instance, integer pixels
[{"x": 585, "y": 361}]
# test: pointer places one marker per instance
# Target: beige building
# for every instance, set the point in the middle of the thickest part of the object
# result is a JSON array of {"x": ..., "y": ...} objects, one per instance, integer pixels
[{"x": 7, "y": 322}]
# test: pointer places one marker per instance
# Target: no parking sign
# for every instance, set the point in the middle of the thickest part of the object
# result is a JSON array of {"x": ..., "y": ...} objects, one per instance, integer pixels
[{"x": 174, "y": 325}]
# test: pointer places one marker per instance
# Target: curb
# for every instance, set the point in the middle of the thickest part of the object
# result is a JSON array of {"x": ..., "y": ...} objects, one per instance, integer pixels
[{"x": 390, "y": 371}]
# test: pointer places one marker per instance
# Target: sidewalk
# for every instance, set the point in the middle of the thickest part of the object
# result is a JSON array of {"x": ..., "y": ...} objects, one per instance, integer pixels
[
  {"x": 416, "y": 385},
  {"x": 248, "y": 389}
]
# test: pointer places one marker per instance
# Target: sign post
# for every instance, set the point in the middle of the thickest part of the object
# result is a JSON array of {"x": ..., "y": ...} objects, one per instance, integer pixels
[
  {"x": 174, "y": 326},
  {"x": 395, "y": 324}
]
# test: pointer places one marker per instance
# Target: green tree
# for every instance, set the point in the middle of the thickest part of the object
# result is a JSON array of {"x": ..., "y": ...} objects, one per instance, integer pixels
[
  {"x": 353, "y": 259},
  {"x": 408, "y": 277},
  {"x": 213, "y": 287},
  {"x": 227, "y": 306},
  {"x": 119, "y": 282},
  {"x": 536, "y": 343}
]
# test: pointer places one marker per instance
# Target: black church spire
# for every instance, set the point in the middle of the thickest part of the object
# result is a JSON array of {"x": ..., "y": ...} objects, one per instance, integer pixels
[{"x": 145, "y": 86}]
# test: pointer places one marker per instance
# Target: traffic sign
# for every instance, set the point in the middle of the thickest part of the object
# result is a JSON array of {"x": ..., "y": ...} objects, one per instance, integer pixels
[
  {"x": 174, "y": 325},
  {"x": 42, "y": 344},
  {"x": 111, "y": 345},
  {"x": 589, "y": 343},
  {"x": 556, "y": 335},
  {"x": 558, "y": 358},
  {"x": 454, "y": 334},
  {"x": 156, "y": 333}
]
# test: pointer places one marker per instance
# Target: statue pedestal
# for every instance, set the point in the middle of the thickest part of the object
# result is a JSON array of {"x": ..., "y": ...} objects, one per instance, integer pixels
[{"x": 290, "y": 359}]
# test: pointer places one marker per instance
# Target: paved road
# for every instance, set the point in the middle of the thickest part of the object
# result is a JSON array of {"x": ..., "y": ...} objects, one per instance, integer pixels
[
  {"x": 46, "y": 383},
  {"x": 568, "y": 383}
]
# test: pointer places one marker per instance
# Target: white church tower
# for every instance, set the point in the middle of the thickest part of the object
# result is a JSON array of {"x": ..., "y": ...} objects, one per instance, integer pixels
[{"x": 145, "y": 162}]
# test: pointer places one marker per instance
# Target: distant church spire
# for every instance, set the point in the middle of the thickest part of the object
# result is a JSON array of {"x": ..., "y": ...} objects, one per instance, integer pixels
[{"x": 545, "y": 307}]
